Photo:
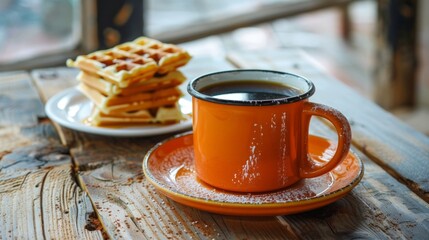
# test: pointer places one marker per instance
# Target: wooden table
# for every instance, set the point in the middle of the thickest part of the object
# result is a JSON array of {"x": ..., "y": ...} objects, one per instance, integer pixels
[{"x": 58, "y": 183}]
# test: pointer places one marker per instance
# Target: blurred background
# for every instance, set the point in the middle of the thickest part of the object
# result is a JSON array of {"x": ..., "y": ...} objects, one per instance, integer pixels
[{"x": 378, "y": 47}]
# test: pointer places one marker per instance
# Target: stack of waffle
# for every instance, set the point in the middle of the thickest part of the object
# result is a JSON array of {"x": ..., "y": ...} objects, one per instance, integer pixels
[{"x": 133, "y": 83}]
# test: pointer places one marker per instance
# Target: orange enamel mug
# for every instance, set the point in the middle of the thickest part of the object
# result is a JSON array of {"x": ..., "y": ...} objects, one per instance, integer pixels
[{"x": 259, "y": 145}]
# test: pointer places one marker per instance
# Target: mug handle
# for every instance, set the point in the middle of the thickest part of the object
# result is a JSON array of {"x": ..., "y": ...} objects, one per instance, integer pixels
[{"x": 308, "y": 169}]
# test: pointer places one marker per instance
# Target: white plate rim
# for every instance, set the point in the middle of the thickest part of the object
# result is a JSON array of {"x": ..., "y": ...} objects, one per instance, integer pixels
[{"x": 59, "y": 116}]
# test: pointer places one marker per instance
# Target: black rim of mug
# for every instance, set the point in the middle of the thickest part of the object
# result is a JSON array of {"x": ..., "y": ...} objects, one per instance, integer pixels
[{"x": 195, "y": 93}]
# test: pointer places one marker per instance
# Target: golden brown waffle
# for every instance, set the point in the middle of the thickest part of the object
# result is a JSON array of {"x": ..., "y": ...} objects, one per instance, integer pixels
[
  {"x": 116, "y": 66},
  {"x": 132, "y": 61},
  {"x": 133, "y": 83},
  {"x": 141, "y": 101},
  {"x": 163, "y": 115},
  {"x": 172, "y": 79},
  {"x": 168, "y": 57}
]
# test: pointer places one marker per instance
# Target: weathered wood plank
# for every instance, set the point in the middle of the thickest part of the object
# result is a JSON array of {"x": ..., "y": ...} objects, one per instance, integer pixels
[
  {"x": 19, "y": 104},
  {"x": 379, "y": 207},
  {"x": 130, "y": 207},
  {"x": 39, "y": 197},
  {"x": 35, "y": 156},
  {"x": 56, "y": 78},
  {"x": 110, "y": 170},
  {"x": 99, "y": 155},
  {"x": 392, "y": 144},
  {"x": 27, "y": 141},
  {"x": 43, "y": 204}
]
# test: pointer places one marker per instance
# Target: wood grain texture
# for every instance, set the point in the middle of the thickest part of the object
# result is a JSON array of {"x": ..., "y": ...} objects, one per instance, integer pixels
[
  {"x": 129, "y": 207},
  {"x": 96, "y": 157},
  {"x": 56, "y": 78},
  {"x": 19, "y": 103},
  {"x": 27, "y": 141},
  {"x": 395, "y": 146},
  {"x": 380, "y": 207},
  {"x": 39, "y": 197},
  {"x": 43, "y": 204}
]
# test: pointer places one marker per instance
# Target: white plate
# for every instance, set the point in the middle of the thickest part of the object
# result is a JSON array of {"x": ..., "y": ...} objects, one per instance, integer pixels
[{"x": 70, "y": 107}]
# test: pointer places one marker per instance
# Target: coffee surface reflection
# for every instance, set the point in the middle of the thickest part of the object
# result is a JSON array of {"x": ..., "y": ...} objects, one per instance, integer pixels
[{"x": 243, "y": 90}]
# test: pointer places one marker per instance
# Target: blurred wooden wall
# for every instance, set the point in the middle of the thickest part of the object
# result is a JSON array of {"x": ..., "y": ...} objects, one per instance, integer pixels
[{"x": 397, "y": 53}]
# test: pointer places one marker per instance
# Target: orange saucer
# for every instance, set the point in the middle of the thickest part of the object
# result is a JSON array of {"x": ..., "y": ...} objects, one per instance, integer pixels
[{"x": 169, "y": 167}]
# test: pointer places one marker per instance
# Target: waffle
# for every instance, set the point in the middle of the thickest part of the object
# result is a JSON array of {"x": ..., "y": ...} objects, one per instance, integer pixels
[
  {"x": 141, "y": 101},
  {"x": 168, "y": 57},
  {"x": 163, "y": 115},
  {"x": 133, "y": 83},
  {"x": 116, "y": 66},
  {"x": 132, "y": 62},
  {"x": 172, "y": 79}
]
